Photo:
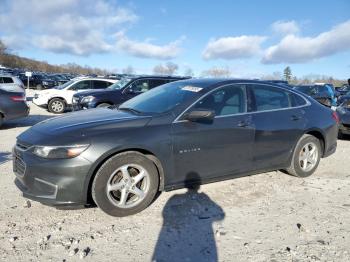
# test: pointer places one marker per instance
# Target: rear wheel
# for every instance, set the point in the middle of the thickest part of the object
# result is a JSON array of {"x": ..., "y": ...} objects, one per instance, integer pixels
[
  {"x": 125, "y": 184},
  {"x": 104, "y": 105},
  {"x": 306, "y": 157},
  {"x": 56, "y": 106}
]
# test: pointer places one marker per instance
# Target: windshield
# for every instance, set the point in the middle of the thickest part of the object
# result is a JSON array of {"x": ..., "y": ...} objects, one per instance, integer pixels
[
  {"x": 65, "y": 85},
  {"x": 163, "y": 98},
  {"x": 120, "y": 84}
]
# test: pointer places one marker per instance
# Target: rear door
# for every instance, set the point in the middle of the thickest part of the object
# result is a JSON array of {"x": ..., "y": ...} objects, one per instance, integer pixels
[
  {"x": 223, "y": 147},
  {"x": 279, "y": 123}
]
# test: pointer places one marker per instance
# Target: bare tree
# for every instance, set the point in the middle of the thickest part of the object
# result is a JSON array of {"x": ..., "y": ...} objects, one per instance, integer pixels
[
  {"x": 217, "y": 72},
  {"x": 128, "y": 70},
  {"x": 3, "y": 48},
  {"x": 168, "y": 69}
]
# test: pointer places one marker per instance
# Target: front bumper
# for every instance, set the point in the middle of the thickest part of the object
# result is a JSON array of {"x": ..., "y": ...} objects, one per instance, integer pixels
[
  {"x": 54, "y": 182},
  {"x": 18, "y": 111},
  {"x": 344, "y": 128},
  {"x": 83, "y": 106}
]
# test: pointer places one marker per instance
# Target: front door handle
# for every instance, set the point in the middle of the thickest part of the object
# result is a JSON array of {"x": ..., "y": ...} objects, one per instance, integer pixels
[{"x": 242, "y": 124}]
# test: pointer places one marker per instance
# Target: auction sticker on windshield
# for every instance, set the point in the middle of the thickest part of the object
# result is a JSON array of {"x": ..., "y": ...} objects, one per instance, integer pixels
[{"x": 192, "y": 88}]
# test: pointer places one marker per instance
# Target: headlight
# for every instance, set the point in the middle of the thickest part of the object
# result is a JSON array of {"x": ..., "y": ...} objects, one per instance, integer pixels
[
  {"x": 87, "y": 99},
  {"x": 59, "y": 151},
  {"x": 45, "y": 83},
  {"x": 341, "y": 110}
]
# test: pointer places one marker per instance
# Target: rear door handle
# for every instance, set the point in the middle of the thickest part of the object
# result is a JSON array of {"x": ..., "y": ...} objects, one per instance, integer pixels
[{"x": 295, "y": 118}]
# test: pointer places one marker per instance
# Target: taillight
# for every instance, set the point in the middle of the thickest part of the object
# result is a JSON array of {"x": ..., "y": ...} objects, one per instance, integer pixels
[
  {"x": 18, "y": 98},
  {"x": 335, "y": 117}
]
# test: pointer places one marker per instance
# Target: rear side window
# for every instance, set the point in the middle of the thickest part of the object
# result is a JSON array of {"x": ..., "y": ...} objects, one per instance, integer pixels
[
  {"x": 270, "y": 98},
  {"x": 297, "y": 100},
  {"x": 156, "y": 82},
  {"x": 97, "y": 84}
]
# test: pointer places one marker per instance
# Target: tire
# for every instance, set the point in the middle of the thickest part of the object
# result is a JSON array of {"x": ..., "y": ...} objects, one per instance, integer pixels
[
  {"x": 39, "y": 87},
  {"x": 299, "y": 167},
  {"x": 103, "y": 105},
  {"x": 121, "y": 171},
  {"x": 56, "y": 106}
]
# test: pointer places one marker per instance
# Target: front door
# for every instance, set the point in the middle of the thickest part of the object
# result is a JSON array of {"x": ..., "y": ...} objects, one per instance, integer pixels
[{"x": 223, "y": 147}]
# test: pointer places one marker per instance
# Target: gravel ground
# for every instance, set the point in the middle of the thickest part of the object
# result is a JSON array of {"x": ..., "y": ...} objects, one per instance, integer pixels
[{"x": 266, "y": 217}]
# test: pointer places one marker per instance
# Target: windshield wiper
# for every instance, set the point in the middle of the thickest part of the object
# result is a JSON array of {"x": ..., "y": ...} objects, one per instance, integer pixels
[{"x": 129, "y": 109}]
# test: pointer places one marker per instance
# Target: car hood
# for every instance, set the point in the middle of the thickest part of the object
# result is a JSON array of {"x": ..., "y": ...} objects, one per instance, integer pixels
[
  {"x": 48, "y": 92},
  {"x": 97, "y": 92},
  {"x": 82, "y": 123}
]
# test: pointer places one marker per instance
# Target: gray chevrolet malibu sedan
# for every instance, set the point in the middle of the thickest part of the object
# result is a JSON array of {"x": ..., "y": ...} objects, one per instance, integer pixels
[{"x": 169, "y": 137}]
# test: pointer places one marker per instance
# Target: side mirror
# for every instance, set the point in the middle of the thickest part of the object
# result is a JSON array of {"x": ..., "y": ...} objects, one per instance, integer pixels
[{"x": 201, "y": 116}]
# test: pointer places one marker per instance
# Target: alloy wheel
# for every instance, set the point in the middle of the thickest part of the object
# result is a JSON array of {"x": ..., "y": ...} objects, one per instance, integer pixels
[
  {"x": 308, "y": 156},
  {"x": 128, "y": 186}
]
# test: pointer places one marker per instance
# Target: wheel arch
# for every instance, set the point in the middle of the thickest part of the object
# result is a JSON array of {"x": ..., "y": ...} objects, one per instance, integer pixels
[
  {"x": 58, "y": 97},
  {"x": 320, "y": 136},
  {"x": 150, "y": 155}
]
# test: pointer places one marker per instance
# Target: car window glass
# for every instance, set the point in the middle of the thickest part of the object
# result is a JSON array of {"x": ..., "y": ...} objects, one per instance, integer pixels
[
  {"x": 296, "y": 100},
  {"x": 140, "y": 86},
  {"x": 156, "y": 82},
  {"x": 228, "y": 100},
  {"x": 82, "y": 85},
  {"x": 97, "y": 84},
  {"x": 7, "y": 80},
  {"x": 270, "y": 98}
]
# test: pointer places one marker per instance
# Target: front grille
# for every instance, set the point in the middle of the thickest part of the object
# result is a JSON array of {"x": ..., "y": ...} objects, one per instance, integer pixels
[{"x": 19, "y": 166}]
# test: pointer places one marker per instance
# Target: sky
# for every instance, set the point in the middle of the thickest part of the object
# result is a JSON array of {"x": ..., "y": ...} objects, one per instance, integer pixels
[{"x": 251, "y": 38}]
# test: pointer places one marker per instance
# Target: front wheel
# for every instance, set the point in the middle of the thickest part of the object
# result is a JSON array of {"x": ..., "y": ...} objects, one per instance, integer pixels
[
  {"x": 56, "y": 106},
  {"x": 306, "y": 157},
  {"x": 125, "y": 184}
]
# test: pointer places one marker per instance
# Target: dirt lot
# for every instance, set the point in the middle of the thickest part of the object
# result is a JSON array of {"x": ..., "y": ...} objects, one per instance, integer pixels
[{"x": 266, "y": 217}]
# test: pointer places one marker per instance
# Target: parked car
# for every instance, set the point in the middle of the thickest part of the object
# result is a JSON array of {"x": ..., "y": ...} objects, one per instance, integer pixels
[
  {"x": 12, "y": 105},
  {"x": 11, "y": 83},
  {"x": 119, "y": 158},
  {"x": 120, "y": 92},
  {"x": 343, "y": 98},
  {"x": 57, "y": 99},
  {"x": 343, "y": 90},
  {"x": 319, "y": 92},
  {"x": 344, "y": 114}
]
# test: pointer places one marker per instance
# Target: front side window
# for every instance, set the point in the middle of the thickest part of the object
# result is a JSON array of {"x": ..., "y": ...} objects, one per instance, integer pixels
[
  {"x": 82, "y": 85},
  {"x": 270, "y": 98},
  {"x": 7, "y": 80},
  {"x": 227, "y": 100},
  {"x": 140, "y": 86}
]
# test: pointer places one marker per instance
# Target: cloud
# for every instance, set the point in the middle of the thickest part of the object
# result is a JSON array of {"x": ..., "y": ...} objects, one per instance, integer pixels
[
  {"x": 285, "y": 27},
  {"x": 80, "y": 27},
  {"x": 146, "y": 49},
  {"x": 296, "y": 49},
  {"x": 233, "y": 47}
]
